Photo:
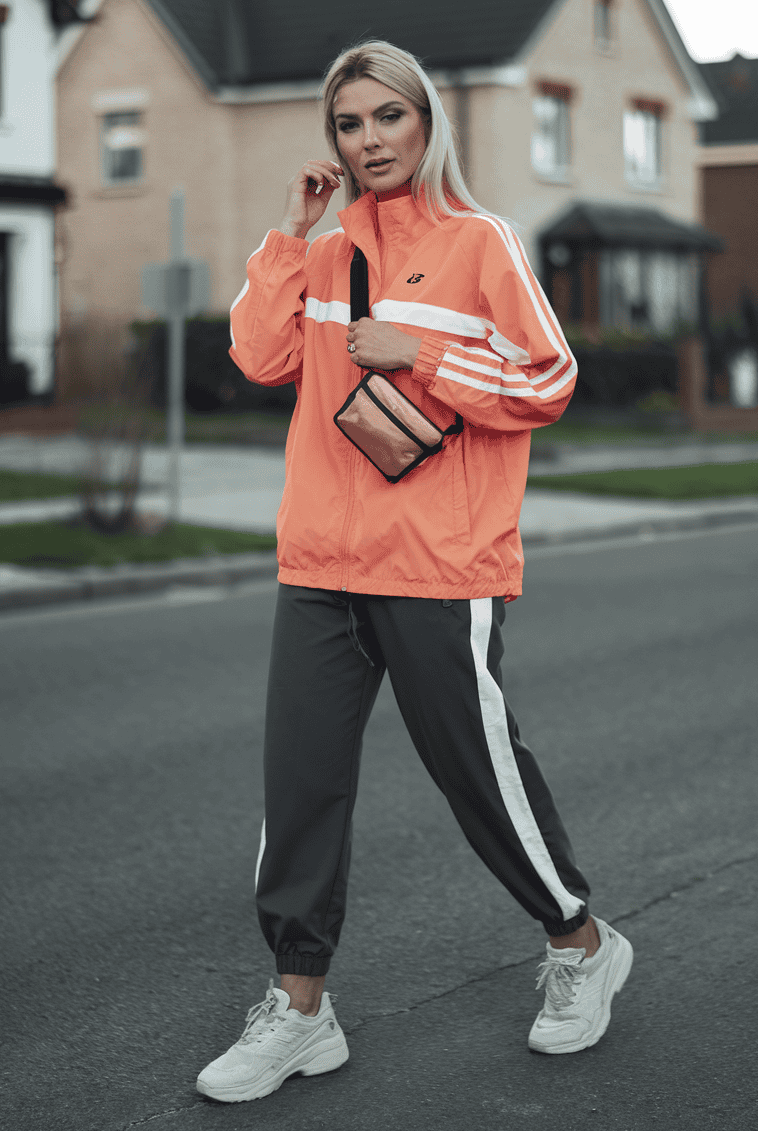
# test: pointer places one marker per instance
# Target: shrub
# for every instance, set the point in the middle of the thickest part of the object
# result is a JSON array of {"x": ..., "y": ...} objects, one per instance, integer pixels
[{"x": 213, "y": 383}]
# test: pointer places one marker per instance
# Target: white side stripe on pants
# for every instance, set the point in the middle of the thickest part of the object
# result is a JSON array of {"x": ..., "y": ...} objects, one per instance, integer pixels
[
  {"x": 504, "y": 762},
  {"x": 261, "y": 850}
]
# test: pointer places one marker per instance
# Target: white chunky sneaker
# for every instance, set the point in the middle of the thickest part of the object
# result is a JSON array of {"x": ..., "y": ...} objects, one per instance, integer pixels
[
  {"x": 579, "y": 991},
  {"x": 276, "y": 1043}
]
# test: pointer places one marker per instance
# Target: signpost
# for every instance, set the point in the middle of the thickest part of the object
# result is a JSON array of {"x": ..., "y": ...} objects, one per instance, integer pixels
[{"x": 175, "y": 291}]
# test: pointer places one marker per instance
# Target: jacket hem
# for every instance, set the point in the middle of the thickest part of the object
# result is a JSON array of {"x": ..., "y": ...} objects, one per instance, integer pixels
[{"x": 380, "y": 587}]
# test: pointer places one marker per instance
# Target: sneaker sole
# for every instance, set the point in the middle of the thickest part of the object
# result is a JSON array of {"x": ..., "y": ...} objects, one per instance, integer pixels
[
  {"x": 616, "y": 981},
  {"x": 329, "y": 1056}
]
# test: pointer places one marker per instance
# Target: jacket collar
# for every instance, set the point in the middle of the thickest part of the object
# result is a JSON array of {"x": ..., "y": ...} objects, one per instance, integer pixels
[{"x": 397, "y": 216}]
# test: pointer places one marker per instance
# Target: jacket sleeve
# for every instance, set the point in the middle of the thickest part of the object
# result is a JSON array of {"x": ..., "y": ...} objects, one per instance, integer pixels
[
  {"x": 266, "y": 316},
  {"x": 522, "y": 372}
]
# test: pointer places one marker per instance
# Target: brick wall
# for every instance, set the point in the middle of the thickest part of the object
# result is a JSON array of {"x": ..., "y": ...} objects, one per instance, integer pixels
[{"x": 730, "y": 208}]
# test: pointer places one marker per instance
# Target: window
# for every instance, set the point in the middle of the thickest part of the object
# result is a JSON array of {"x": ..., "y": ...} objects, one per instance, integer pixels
[
  {"x": 643, "y": 138},
  {"x": 551, "y": 136},
  {"x": 122, "y": 144},
  {"x": 603, "y": 30},
  {"x": 4, "y": 12},
  {"x": 648, "y": 290}
]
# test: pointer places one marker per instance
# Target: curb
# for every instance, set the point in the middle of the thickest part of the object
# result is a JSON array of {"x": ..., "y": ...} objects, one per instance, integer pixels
[
  {"x": 231, "y": 569},
  {"x": 89, "y": 583},
  {"x": 742, "y": 517}
]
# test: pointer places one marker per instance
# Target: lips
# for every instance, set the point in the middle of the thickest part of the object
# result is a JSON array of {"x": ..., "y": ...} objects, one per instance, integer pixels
[{"x": 379, "y": 164}]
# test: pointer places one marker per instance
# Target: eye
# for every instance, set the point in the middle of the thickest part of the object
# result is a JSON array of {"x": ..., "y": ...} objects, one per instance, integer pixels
[
  {"x": 392, "y": 116},
  {"x": 346, "y": 127}
]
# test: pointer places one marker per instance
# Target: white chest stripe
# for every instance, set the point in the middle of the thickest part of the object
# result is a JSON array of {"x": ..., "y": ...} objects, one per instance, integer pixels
[
  {"x": 427, "y": 317},
  {"x": 333, "y": 311},
  {"x": 504, "y": 763}
]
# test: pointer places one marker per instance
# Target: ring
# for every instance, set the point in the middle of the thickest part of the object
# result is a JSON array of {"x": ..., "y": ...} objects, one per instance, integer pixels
[{"x": 351, "y": 347}]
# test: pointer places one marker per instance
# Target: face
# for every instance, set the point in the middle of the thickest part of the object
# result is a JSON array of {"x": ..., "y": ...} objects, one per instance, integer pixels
[{"x": 380, "y": 134}]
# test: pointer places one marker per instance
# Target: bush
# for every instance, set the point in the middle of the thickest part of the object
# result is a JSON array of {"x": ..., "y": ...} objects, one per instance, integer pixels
[
  {"x": 213, "y": 383},
  {"x": 613, "y": 378}
]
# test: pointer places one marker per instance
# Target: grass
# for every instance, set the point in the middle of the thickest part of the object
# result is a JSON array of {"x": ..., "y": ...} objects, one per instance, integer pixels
[
  {"x": 205, "y": 428},
  {"x": 704, "y": 481},
  {"x": 570, "y": 430},
  {"x": 16, "y": 486},
  {"x": 67, "y": 545}
]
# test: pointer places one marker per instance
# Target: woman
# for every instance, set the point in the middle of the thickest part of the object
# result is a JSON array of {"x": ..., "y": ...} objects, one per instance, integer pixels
[{"x": 411, "y": 576}]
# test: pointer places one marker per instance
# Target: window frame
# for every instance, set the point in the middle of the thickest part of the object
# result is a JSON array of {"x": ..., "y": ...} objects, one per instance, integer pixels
[
  {"x": 106, "y": 123},
  {"x": 646, "y": 112},
  {"x": 561, "y": 96},
  {"x": 603, "y": 38},
  {"x": 5, "y": 12}
]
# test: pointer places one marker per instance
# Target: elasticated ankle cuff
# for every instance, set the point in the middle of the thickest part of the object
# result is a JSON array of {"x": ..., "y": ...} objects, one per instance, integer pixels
[
  {"x": 309, "y": 965},
  {"x": 556, "y": 930}
]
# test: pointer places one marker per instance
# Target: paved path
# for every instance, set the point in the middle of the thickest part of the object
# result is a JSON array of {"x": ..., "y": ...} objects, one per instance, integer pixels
[{"x": 241, "y": 488}]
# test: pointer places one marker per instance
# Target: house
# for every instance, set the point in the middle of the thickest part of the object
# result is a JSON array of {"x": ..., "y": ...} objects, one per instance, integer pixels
[
  {"x": 728, "y": 160},
  {"x": 29, "y": 35},
  {"x": 729, "y": 192},
  {"x": 577, "y": 120}
]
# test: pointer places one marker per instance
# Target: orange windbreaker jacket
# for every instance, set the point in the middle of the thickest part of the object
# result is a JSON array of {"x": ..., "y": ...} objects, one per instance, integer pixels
[{"x": 491, "y": 350}]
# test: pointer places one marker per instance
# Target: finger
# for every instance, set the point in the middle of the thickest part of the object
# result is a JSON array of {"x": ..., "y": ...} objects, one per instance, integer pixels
[
  {"x": 321, "y": 172},
  {"x": 352, "y": 326}
]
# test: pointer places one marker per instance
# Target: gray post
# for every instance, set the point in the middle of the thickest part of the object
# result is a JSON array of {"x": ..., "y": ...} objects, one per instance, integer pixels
[{"x": 177, "y": 294}]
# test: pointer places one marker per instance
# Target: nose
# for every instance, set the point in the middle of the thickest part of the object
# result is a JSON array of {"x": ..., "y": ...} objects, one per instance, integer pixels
[{"x": 370, "y": 136}]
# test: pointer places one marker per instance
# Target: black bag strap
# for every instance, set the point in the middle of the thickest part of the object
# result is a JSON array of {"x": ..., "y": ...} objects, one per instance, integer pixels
[{"x": 359, "y": 307}]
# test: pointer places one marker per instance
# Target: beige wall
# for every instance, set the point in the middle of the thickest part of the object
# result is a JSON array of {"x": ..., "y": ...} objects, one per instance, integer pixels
[
  {"x": 234, "y": 160},
  {"x": 638, "y": 64},
  {"x": 111, "y": 231}
]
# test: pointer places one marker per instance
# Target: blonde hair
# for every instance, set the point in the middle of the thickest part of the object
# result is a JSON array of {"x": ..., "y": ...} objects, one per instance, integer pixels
[{"x": 439, "y": 171}]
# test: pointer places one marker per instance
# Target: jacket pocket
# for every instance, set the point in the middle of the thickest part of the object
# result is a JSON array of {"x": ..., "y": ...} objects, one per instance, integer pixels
[{"x": 461, "y": 514}]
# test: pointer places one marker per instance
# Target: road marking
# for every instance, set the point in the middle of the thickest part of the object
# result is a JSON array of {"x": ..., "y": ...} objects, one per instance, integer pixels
[{"x": 176, "y": 597}]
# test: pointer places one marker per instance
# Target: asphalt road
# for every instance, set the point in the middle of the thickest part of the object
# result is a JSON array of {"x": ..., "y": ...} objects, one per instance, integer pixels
[{"x": 131, "y": 786}]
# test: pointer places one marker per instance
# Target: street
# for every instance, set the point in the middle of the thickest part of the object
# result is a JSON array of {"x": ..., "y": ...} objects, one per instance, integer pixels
[{"x": 131, "y": 809}]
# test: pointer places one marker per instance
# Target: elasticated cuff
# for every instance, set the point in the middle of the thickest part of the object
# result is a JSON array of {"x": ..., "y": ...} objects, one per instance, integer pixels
[
  {"x": 559, "y": 928},
  {"x": 307, "y": 965},
  {"x": 428, "y": 360}
]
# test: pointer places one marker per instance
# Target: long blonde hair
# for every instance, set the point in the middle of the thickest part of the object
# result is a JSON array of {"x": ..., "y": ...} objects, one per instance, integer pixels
[{"x": 439, "y": 171}]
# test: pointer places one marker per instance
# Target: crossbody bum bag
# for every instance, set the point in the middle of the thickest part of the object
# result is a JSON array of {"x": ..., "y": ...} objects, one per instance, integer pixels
[{"x": 387, "y": 427}]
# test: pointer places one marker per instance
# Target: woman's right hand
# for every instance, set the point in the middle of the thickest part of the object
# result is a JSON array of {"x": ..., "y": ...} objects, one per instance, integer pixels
[{"x": 308, "y": 194}]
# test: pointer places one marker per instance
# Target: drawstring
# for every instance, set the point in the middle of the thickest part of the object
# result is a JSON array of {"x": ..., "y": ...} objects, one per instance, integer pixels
[{"x": 353, "y": 633}]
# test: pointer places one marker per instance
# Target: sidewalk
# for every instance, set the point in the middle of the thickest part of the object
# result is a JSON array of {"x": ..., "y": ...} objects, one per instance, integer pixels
[{"x": 240, "y": 488}]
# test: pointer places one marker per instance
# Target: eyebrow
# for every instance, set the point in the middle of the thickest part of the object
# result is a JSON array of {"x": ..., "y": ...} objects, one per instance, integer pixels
[{"x": 379, "y": 110}]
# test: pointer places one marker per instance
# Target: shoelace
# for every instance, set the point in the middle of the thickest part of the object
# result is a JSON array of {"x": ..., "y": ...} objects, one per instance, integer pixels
[
  {"x": 262, "y": 1019},
  {"x": 559, "y": 976}
]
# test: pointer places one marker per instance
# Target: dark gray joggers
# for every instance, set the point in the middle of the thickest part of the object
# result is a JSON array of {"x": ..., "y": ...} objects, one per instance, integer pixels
[{"x": 328, "y": 658}]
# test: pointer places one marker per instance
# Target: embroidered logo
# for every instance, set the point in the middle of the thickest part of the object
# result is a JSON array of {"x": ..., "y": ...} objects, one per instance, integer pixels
[{"x": 415, "y": 279}]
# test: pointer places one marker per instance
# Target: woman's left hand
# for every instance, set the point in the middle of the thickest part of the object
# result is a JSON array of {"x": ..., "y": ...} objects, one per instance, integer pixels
[{"x": 379, "y": 345}]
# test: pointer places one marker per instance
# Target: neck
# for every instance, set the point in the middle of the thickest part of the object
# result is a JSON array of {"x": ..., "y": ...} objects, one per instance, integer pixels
[{"x": 393, "y": 194}]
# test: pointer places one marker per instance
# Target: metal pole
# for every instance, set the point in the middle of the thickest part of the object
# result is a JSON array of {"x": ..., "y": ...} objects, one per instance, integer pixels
[{"x": 175, "y": 358}]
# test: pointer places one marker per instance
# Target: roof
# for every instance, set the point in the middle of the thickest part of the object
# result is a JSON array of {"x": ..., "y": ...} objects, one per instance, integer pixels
[
  {"x": 244, "y": 41},
  {"x": 611, "y": 225},
  {"x": 734, "y": 83},
  {"x": 28, "y": 189}
]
